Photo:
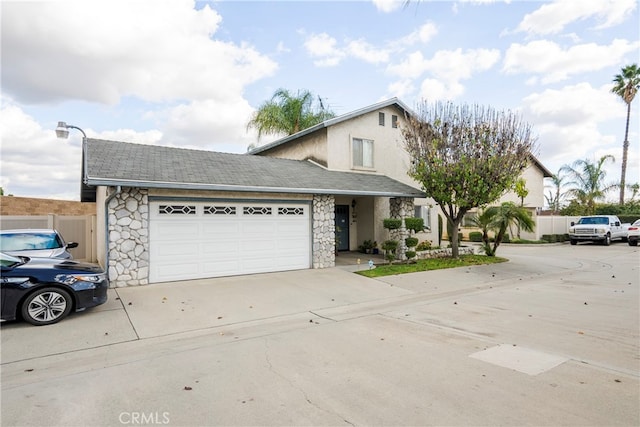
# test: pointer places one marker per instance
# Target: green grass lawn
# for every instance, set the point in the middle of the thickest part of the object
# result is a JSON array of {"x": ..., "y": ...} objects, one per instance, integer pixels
[{"x": 430, "y": 264}]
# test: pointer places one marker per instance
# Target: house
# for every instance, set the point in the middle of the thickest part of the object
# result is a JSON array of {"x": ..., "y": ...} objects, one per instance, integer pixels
[
  {"x": 168, "y": 214},
  {"x": 369, "y": 141}
]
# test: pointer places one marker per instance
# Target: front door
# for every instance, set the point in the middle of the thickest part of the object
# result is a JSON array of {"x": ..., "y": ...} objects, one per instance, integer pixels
[{"x": 342, "y": 227}]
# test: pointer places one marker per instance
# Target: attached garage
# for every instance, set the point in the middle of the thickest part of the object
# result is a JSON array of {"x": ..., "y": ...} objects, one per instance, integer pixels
[
  {"x": 173, "y": 214},
  {"x": 192, "y": 240}
]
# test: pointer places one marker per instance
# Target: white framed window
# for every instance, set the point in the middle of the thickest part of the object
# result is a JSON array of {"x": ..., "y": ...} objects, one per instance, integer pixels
[
  {"x": 381, "y": 119},
  {"x": 424, "y": 212},
  {"x": 362, "y": 153},
  {"x": 394, "y": 121}
]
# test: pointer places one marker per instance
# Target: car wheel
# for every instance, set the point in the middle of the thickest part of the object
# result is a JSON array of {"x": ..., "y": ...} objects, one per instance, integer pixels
[
  {"x": 607, "y": 240},
  {"x": 46, "y": 306},
  {"x": 574, "y": 242},
  {"x": 633, "y": 243}
]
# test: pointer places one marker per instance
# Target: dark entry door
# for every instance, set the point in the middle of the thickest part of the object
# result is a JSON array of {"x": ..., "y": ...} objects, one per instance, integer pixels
[{"x": 342, "y": 227}]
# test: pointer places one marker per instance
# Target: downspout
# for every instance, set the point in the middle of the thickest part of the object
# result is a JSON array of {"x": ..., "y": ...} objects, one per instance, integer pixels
[{"x": 106, "y": 226}]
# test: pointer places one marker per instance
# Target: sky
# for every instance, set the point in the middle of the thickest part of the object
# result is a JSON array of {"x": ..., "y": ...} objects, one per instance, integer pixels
[{"x": 190, "y": 73}]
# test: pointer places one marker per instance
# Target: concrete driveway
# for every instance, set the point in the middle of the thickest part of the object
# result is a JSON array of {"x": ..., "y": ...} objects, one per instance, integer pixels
[{"x": 550, "y": 338}]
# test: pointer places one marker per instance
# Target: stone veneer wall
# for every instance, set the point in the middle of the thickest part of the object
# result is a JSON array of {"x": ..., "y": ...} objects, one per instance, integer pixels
[
  {"x": 401, "y": 208},
  {"x": 324, "y": 231},
  {"x": 129, "y": 238}
]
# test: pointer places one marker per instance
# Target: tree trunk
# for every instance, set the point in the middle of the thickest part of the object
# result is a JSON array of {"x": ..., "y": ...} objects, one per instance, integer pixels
[
  {"x": 625, "y": 149},
  {"x": 453, "y": 240}
]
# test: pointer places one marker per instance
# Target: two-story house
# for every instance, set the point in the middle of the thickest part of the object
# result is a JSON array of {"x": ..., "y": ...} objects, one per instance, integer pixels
[{"x": 369, "y": 140}]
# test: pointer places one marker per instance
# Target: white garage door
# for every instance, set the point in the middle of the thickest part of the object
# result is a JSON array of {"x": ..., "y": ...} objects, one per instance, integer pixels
[{"x": 192, "y": 240}]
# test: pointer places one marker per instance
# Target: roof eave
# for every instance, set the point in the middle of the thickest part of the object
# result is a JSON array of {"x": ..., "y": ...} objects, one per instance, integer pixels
[{"x": 244, "y": 189}]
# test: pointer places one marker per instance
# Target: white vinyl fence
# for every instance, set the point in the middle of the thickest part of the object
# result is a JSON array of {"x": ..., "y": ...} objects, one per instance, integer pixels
[{"x": 80, "y": 229}]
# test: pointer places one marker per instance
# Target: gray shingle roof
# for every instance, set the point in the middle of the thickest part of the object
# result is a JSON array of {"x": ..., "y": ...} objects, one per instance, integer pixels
[{"x": 135, "y": 165}]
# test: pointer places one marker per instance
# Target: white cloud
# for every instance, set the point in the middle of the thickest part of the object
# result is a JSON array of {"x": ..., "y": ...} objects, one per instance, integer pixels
[
  {"x": 434, "y": 90},
  {"x": 413, "y": 66},
  {"x": 104, "y": 51},
  {"x": 554, "y": 63},
  {"x": 423, "y": 35},
  {"x": 400, "y": 88},
  {"x": 569, "y": 123},
  {"x": 552, "y": 18},
  {"x": 25, "y": 144},
  {"x": 324, "y": 46},
  {"x": 447, "y": 68},
  {"x": 388, "y": 5},
  {"x": 360, "y": 49},
  {"x": 213, "y": 125}
]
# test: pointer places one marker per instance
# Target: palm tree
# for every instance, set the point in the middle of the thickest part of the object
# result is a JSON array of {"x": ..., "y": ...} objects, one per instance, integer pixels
[
  {"x": 287, "y": 114},
  {"x": 588, "y": 182},
  {"x": 626, "y": 85},
  {"x": 498, "y": 219},
  {"x": 558, "y": 181}
]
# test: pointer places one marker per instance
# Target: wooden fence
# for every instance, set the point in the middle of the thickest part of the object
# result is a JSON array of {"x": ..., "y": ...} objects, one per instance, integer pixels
[{"x": 80, "y": 229}]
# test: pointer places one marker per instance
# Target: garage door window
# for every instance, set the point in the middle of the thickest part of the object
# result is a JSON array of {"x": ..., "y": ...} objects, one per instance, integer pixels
[
  {"x": 290, "y": 211},
  {"x": 219, "y": 210},
  {"x": 257, "y": 210},
  {"x": 176, "y": 210}
]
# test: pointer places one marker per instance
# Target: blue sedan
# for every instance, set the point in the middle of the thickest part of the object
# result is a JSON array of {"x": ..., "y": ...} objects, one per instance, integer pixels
[{"x": 43, "y": 291}]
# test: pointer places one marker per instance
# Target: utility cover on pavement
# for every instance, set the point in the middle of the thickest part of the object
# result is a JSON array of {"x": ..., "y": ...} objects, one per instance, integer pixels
[{"x": 521, "y": 359}]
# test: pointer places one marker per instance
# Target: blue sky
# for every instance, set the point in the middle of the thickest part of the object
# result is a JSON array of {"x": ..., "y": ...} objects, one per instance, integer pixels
[{"x": 189, "y": 74}]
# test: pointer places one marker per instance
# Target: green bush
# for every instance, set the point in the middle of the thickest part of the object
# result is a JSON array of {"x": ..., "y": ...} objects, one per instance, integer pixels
[
  {"x": 551, "y": 238},
  {"x": 392, "y": 223},
  {"x": 506, "y": 238},
  {"x": 475, "y": 236},
  {"x": 410, "y": 254},
  {"x": 414, "y": 224},
  {"x": 629, "y": 218},
  {"x": 411, "y": 241}
]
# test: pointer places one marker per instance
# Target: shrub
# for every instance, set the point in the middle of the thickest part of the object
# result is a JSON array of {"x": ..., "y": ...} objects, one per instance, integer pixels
[
  {"x": 392, "y": 223},
  {"x": 475, "y": 236},
  {"x": 414, "y": 224},
  {"x": 411, "y": 241},
  {"x": 410, "y": 254},
  {"x": 423, "y": 246}
]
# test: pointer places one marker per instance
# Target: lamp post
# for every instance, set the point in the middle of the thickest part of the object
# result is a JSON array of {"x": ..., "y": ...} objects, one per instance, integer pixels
[{"x": 62, "y": 131}]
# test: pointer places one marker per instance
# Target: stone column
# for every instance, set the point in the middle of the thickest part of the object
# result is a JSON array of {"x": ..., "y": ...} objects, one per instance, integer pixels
[
  {"x": 129, "y": 238},
  {"x": 401, "y": 208},
  {"x": 324, "y": 231}
]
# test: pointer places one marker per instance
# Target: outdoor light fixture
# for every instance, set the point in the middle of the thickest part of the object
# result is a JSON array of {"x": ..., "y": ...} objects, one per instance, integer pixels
[
  {"x": 87, "y": 194},
  {"x": 62, "y": 131}
]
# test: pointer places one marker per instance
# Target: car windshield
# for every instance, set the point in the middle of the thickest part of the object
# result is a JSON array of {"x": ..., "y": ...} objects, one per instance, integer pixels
[
  {"x": 29, "y": 241},
  {"x": 594, "y": 220}
]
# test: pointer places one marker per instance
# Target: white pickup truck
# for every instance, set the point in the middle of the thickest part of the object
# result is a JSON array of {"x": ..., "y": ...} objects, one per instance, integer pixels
[{"x": 598, "y": 228}]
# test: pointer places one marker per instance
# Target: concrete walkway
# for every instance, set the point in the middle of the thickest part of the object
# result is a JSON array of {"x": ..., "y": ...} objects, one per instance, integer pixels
[{"x": 549, "y": 338}]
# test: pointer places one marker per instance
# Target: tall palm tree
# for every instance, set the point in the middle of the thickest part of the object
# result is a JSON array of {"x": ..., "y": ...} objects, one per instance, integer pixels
[
  {"x": 588, "y": 182},
  {"x": 626, "y": 85},
  {"x": 286, "y": 113}
]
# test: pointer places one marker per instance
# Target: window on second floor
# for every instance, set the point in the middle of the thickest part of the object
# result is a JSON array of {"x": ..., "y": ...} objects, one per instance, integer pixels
[
  {"x": 381, "y": 119},
  {"x": 394, "y": 121},
  {"x": 362, "y": 153}
]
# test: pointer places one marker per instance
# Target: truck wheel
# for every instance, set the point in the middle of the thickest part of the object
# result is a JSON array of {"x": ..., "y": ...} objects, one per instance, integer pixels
[
  {"x": 574, "y": 242},
  {"x": 607, "y": 240}
]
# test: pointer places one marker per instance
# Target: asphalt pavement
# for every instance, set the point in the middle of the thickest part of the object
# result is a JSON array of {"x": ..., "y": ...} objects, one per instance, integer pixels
[{"x": 549, "y": 338}]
